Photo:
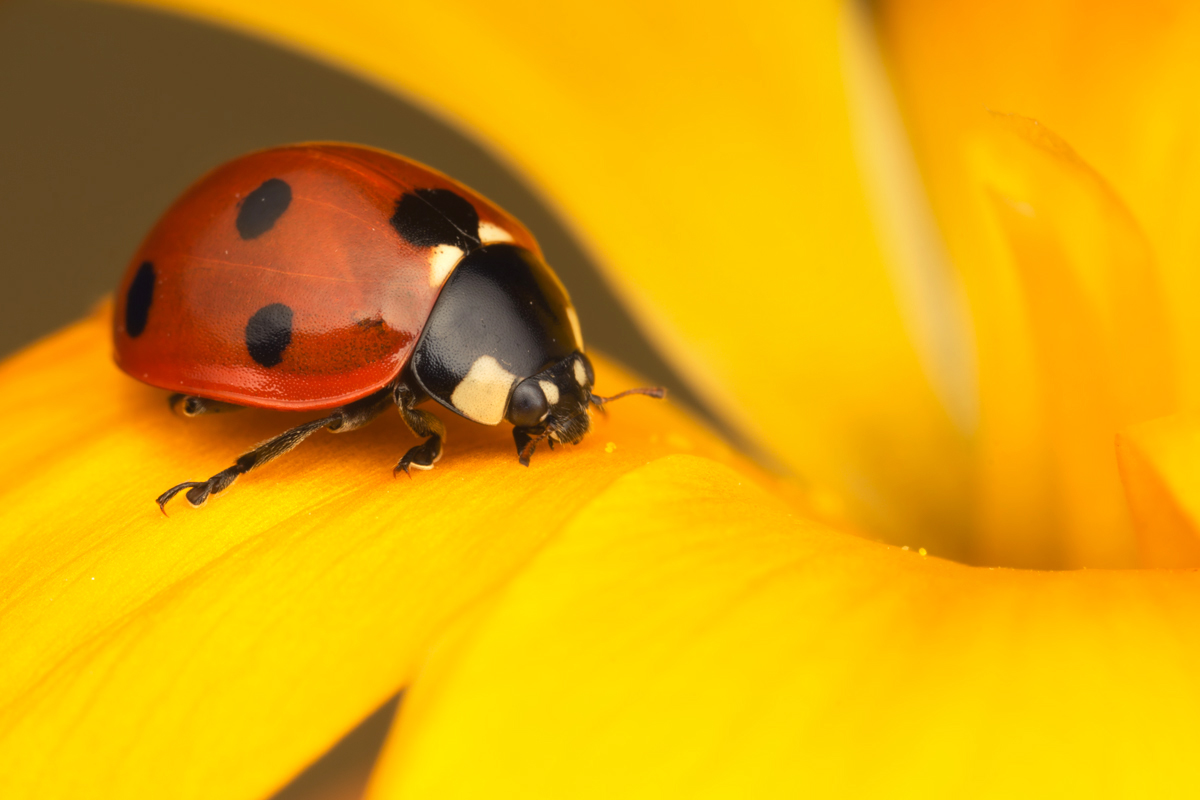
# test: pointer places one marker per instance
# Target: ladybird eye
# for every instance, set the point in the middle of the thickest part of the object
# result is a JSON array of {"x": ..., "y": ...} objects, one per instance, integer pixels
[{"x": 528, "y": 406}]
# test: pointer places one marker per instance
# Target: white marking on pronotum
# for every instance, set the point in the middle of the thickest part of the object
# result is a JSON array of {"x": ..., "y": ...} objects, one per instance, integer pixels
[
  {"x": 441, "y": 261},
  {"x": 573, "y": 318},
  {"x": 490, "y": 233},
  {"x": 482, "y": 396},
  {"x": 580, "y": 373},
  {"x": 550, "y": 390}
]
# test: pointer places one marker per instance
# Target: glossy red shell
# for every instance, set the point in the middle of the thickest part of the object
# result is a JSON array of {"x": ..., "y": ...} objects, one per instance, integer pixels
[{"x": 358, "y": 291}]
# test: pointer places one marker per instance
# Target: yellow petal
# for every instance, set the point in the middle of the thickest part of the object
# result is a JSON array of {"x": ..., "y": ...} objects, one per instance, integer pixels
[
  {"x": 1117, "y": 80},
  {"x": 1160, "y": 466},
  {"x": 213, "y": 653},
  {"x": 687, "y": 635},
  {"x": 705, "y": 156},
  {"x": 1075, "y": 284},
  {"x": 1101, "y": 350}
]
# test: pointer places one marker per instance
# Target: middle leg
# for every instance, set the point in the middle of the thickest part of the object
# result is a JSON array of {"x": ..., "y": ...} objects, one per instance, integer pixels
[{"x": 421, "y": 423}]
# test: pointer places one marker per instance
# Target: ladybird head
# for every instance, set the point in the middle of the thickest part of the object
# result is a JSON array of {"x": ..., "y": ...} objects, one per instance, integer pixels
[{"x": 552, "y": 405}]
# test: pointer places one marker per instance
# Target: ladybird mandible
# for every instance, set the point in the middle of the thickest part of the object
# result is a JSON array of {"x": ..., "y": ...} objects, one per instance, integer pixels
[{"x": 344, "y": 278}]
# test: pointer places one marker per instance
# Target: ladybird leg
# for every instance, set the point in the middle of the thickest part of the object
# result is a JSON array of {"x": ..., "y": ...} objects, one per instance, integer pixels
[
  {"x": 347, "y": 418},
  {"x": 421, "y": 423},
  {"x": 191, "y": 406},
  {"x": 199, "y": 491},
  {"x": 527, "y": 440},
  {"x": 357, "y": 414}
]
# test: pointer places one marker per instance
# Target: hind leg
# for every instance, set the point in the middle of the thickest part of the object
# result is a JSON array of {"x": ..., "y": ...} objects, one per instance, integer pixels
[
  {"x": 347, "y": 418},
  {"x": 189, "y": 405}
]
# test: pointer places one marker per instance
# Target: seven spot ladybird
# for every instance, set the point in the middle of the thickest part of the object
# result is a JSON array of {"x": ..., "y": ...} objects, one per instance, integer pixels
[{"x": 339, "y": 277}]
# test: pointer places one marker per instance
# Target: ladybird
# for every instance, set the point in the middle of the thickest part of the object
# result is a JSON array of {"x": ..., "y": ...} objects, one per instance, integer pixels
[{"x": 343, "y": 278}]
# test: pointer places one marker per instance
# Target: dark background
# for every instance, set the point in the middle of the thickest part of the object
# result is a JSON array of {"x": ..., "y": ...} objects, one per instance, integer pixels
[{"x": 109, "y": 112}]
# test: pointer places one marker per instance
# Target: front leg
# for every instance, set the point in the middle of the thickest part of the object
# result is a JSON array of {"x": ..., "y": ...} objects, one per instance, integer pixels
[
  {"x": 421, "y": 423},
  {"x": 527, "y": 440}
]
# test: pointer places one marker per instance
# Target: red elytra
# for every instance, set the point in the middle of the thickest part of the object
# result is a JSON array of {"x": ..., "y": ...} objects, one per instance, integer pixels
[{"x": 359, "y": 291}]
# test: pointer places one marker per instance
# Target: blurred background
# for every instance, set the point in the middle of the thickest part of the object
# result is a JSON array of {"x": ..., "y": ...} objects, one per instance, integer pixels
[{"x": 110, "y": 112}]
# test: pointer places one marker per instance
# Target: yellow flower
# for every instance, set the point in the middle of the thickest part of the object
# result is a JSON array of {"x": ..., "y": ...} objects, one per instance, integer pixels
[{"x": 660, "y": 617}]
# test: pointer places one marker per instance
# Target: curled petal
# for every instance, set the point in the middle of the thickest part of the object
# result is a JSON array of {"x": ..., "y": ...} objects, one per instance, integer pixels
[{"x": 1054, "y": 139}]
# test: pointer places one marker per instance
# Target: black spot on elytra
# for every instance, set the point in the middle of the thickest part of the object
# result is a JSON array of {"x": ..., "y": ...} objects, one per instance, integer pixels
[
  {"x": 429, "y": 217},
  {"x": 263, "y": 207},
  {"x": 137, "y": 300},
  {"x": 268, "y": 333}
]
